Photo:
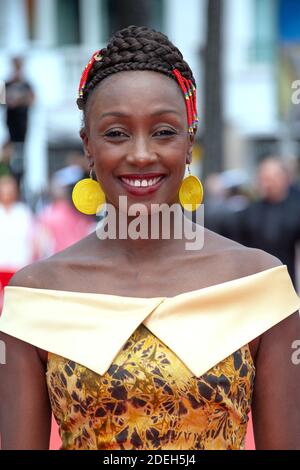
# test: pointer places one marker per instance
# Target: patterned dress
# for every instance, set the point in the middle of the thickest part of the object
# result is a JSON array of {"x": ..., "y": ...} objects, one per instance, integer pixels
[
  {"x": 148, "y": 399},
  {"x": 151, "y": 373}
]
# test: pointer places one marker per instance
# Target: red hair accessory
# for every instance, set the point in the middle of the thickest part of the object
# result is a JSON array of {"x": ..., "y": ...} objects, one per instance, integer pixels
[
  {"x": 97, "y": 56},
  {"x": 189, "y": 91},
  {"x": 187, "y": 87}
]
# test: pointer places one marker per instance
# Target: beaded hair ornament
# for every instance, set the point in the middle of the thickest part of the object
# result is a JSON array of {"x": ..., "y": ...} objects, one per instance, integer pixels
[{"x": 187, "y": 87}]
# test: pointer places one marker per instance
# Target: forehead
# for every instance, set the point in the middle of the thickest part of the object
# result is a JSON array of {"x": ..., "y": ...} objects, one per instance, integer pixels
[{"x": 145, "y": 89}]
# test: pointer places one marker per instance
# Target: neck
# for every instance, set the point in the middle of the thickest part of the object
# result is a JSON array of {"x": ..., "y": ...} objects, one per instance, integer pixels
[{"x": 149, "y": 233}]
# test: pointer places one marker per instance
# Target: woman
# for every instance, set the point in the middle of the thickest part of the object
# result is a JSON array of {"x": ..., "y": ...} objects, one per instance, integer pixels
[{"x": 142, "y": 343}]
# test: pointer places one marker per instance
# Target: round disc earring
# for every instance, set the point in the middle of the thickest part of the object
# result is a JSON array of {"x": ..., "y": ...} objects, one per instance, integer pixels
[
  {"x": 190, "y": 192},
  {"x": 88, "y": 196}
]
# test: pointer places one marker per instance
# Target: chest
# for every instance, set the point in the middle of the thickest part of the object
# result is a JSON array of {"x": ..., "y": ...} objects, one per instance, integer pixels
[
  {"x": 148, "y": 398},
  {"x": 166, "y": 277},
  {"x": 155, "y": 277}
]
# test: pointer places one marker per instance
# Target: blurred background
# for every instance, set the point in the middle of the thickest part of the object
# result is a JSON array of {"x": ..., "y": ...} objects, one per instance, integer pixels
[
  {"x": 245, "y": 55},
  {"x": 246, "y": 59}
]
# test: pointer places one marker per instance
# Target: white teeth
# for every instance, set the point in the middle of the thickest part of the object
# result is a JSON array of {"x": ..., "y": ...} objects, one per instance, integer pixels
[{"x": 139, "y": 182}]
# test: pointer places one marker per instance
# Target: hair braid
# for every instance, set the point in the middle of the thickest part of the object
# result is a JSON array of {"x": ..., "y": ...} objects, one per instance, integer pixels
[{"x": 136, "y": 48}]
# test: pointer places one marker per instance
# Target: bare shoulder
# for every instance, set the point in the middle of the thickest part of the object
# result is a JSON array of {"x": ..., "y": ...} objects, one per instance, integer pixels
[
  {"x": 36, "y": 275},
  {"x": 52, "y": 272},
  {"x": 237, "y": 259},
  {"x": 55, "y": 273}
]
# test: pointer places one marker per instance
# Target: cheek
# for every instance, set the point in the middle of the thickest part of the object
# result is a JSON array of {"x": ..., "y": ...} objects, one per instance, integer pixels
[
  {"x": 107, "y": 157},
  {"x": 175, "y": 156}
]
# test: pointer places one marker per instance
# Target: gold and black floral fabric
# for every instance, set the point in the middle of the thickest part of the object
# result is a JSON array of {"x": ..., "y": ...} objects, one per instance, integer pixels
[{"x": 149, "y": 399}]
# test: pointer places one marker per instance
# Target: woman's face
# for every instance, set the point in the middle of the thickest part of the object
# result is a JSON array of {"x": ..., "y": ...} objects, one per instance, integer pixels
[{"x": 136, "y": 137}]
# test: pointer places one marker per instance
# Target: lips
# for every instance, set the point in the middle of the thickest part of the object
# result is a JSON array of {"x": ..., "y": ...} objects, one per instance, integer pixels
[{"x": 141, "y": 184}]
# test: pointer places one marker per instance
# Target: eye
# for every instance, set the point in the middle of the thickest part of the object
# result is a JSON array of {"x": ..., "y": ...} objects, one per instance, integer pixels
[
  {"x": 165, "y": 133},
  {"x": 115, "y": 133}
]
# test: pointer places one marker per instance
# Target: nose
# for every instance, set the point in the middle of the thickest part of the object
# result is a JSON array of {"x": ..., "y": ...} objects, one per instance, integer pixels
[{"x": 140, "y": 153}]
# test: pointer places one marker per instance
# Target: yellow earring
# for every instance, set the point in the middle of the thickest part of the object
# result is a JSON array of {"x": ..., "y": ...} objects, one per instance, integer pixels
[
  {"x": 88, "y": 196},
  {"x": 191, "y": 192}
]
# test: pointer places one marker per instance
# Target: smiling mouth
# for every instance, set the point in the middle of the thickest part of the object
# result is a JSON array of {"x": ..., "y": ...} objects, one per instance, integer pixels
[{"x": 140, "y": 184}]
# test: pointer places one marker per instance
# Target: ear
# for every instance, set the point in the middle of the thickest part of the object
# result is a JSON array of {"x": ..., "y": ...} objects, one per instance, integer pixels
[
  {"x": 191, "y": 141},
  {"x": 85, "y": 141}
]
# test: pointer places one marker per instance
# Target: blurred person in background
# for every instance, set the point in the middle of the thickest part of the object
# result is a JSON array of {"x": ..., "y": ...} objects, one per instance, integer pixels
[
  {"x": 19, "y": 98},
  {"x": 226, "y": 195},
  {"x": 238, "y": 198},
  {"x": 291, "y": 165},
  {"x": 75, "y": 169},
  {"x": 5, "y": 156},
  {"x": 17, "y": 244},
  {"x": 17, "y": 232},
  {"x": 235, "y": 183},
  {"x": 60, "y": 224},
  {"x": 215, "y": 209},
  {"x": 272, "y": 222}
]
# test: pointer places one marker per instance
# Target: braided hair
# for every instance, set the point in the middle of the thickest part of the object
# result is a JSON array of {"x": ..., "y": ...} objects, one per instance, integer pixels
[{"x": 135, "y": 48}]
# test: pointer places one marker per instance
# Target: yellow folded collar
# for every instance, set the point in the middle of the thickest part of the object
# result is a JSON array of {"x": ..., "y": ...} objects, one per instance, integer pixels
[{"x": 202, "y": 327}]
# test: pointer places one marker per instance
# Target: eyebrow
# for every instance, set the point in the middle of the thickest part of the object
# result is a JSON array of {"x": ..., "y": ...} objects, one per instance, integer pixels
[
  {"x": 165, "y": 111},
  {"x": 155, "y": 113},
  {"x": 114, "y": 113}
]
